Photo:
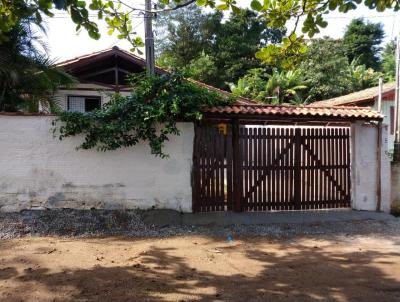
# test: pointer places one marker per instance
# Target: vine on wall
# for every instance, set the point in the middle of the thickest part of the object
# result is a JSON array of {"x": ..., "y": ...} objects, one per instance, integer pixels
[{"x": 149, "y": 114}]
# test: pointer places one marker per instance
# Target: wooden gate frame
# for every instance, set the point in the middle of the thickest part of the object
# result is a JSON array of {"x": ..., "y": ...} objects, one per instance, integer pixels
[{"x": 236, "y": 188}]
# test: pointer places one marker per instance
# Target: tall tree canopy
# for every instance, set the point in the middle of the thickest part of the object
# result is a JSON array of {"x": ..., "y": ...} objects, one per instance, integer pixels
[
  {"x": 117, "y": 15},
  {"x": 324, "y": 72},
  {"x": 207, "y": 49},
  {"x": 362, "y": 41},
  {"x": 326, "y": 69},
  {"x": 389, "y": 61},
  {"x": 181, "y": 36},
  {"x": 27, "y": 76}
]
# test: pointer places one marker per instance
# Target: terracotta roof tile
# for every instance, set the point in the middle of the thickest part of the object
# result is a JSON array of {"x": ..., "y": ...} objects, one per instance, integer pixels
[{"x": 295, "y": 111}]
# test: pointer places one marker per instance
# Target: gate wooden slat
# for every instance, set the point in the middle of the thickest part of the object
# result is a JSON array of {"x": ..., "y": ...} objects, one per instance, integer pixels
[
  {"x": 282, "y": 171},
  {"x": 245, "y": 142},
  {"x": 273, "y": 200},
  {"x": 312, "y": 170},
  {"x": 292, "y": 164},
  {"x": 229, "y": 178},
  {"x": 259, "y": 163},
  {"x": 255, "y": 162},
  {"x": 320, "y": 178},
  {"x": 341, "y": 157}
]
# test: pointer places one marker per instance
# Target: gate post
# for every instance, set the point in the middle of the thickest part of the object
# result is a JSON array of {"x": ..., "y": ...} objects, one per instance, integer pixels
[
  {"x": 297, "y": 169},
  {"x": 237, "y": 173}
]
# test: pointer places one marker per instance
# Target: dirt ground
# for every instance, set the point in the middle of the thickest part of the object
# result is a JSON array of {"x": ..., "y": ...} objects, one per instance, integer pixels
[{"x": 195, "y": 268}]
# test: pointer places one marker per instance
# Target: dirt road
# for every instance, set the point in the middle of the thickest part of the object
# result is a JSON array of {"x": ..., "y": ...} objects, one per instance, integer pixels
[{"x": 194, "y": 268}]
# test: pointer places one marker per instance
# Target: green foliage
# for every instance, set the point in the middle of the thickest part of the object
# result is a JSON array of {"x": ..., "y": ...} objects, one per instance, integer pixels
[
  {"x": 325, "y": 72},
  {"x": 276, "y": 88},
  {"x": 116, "y": 14},
  {"x": 251, "y": 85},
  {"x": 28, "y": 78},
  {"x": 287, "y": 55},
  {"x": 326, "y": 69},
  {"x": 149, "y": 114},
  {"x": 212, "y": 51},
  {"x": 389, "y": 61},
  {"x": 278, "y": 13},
  {"x": 329, "y": 73},
  {"x": 361, "y": 42},
  {"x": 13, "y": 12},
  {"x": 363, "y": 77},
  {"x": 204, "y": 69},
  {"x": 181, "y": 36}
]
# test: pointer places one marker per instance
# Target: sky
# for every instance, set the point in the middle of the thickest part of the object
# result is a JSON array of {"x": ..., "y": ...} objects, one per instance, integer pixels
[{"x": 65, "y": 43}]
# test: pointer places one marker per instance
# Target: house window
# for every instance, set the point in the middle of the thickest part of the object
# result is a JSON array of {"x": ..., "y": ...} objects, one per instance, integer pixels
[{"x": 83, "y": 103}]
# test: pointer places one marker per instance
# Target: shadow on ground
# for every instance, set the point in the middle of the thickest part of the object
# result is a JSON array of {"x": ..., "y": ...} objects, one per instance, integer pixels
[{"x": 302, "y": 273}]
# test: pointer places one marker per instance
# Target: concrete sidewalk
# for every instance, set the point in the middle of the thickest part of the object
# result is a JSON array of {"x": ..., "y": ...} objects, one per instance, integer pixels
[{"x": 168, "y": 217}]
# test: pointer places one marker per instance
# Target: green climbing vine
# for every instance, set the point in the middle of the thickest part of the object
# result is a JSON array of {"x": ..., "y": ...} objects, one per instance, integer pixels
[{"x": 149, "y": 114}]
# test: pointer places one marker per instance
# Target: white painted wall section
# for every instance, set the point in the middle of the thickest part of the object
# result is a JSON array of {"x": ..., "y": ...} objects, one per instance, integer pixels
[
  {"x": 364, "y": 168},
  {"x": 39, "y": 171}
]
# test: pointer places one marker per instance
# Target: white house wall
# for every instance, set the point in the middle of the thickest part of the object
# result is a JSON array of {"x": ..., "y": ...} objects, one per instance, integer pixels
[{"x": 39, "y": 171}]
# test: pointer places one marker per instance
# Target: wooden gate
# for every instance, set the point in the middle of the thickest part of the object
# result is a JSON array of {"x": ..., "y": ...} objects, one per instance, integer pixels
[{"x": 271, "y": 168}]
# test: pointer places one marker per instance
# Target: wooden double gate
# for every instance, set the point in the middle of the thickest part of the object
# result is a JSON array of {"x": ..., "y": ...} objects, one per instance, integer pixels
[{"x": 260, "y": 168}]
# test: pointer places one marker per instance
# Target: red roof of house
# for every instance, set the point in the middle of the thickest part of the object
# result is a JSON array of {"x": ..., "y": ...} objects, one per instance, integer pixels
[{"x": 288, "y": 111}]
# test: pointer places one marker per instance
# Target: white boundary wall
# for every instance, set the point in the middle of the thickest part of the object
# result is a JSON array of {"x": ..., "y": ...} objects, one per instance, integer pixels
[
  {"x": 38, "y": 171},
  {"x": 364, "y": 168}
]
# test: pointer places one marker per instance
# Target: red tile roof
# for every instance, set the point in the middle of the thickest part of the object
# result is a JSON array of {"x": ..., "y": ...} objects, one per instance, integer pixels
[{"x": 289, "y": 111}]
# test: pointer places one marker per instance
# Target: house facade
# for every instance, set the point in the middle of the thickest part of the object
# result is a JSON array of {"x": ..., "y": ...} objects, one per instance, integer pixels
[
  {"x": 241, "y": 157},
  {"x": 368, "y": 98},
  {"x": 99, "y": 75},
  {"x": 103, "y": 73}
]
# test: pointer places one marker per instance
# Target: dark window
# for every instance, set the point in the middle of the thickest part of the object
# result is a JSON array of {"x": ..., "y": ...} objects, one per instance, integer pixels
[
  {"x": 92, "y": 104},
  {"x": 83, "y": 103}
]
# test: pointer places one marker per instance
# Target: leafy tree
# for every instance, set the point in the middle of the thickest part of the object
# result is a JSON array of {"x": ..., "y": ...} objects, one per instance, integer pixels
[
  {"x": 286, "y": 86},
  {"x": 251, "y": 85},
  {"x": 276, "y": 88},
  {"x": 117, "y": 15},
  {"x": 181, "y": 36},
  {"x": 28, "y": 77},
  {"x": 326, "y": 69},
  {"x": 361, "y": 42},
  {"x": 204, "y": 69},
  {"x": 207, "y": 49},
  {"x": 324, "y": 73},
  {"x": 235, "y": 43},
  {"x": 363, "y": 77},
  {"x": 389, "y": 61}
]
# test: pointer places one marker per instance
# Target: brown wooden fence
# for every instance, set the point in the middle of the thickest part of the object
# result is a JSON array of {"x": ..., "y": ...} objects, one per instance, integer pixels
[{"x": 259, "y": 168}]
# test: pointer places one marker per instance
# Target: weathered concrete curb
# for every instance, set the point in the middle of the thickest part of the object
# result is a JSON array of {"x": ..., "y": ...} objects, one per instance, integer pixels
[{"x": 164, "y": 218}]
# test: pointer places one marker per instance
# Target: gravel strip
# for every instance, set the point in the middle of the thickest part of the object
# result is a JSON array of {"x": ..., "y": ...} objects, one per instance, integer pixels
[{"x": 90, "y": 223}]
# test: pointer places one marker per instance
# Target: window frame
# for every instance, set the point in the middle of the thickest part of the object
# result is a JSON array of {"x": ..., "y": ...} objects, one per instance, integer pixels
[{"x": 83, "y": 96}]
